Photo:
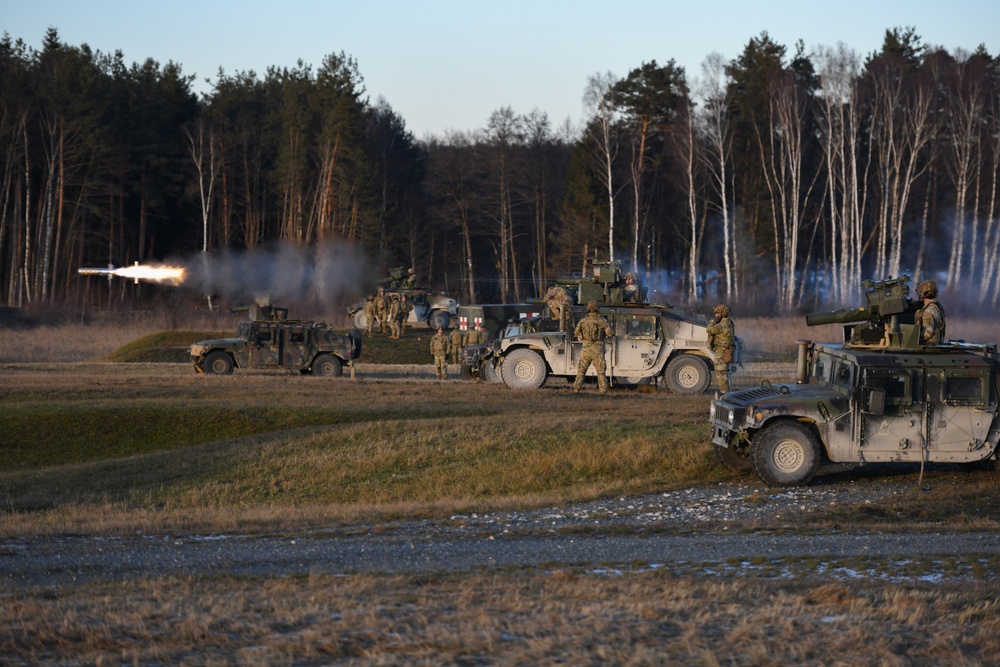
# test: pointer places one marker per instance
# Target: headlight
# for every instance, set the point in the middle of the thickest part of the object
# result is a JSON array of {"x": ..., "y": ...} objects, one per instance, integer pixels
[
  {"x": 731, "y": 417},
  {"x": 711, "y": 412}
]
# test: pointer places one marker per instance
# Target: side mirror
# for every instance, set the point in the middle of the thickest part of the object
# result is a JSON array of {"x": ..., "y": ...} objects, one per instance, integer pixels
[{"x": 874, "y": 401}]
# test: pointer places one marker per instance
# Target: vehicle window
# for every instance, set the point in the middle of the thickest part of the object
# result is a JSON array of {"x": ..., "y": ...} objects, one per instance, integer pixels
[
  {"x": 243, "y": 331},
  {"x": 895, "y": 383},
  {"x": 637, "y": 327},
  {"x": 819, "y": 369},
  {"x": 264, "y": 335},
  {"x": 843, "y": 374},
  {"x": 297, "y": 337},
  {"x": 965, "y": 390}
]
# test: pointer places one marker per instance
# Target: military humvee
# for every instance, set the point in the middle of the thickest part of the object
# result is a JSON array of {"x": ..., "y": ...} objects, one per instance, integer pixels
[
  {"x": 270, "y": 340},
  {"x": 878, "y": 397},
  {"x": 434, "y": 308},
  {"x": 651, "y": 344}
]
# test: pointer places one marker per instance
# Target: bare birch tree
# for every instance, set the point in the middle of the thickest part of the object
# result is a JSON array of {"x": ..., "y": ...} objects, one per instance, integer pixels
[{"x": 598, "y": 99}]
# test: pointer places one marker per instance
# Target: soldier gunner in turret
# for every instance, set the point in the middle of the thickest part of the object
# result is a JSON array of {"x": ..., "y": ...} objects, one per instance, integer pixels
[
  {"x": 592, "y": 330},
  {"x": 632, "y": 291},
  {"x": 930, "y": 317},
  {"x": 721, "y": 333}
]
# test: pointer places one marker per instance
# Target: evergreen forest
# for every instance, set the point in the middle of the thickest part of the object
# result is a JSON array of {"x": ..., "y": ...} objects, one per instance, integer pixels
[{"x": 776, "y": 180}]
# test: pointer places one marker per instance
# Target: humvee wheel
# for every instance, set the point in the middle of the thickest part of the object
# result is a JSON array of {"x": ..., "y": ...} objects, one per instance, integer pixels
[
  {"x": 439, "y": 319},
  {"x": 688, "y": 374},
  {"x": 733, "y": 460},
  {"x": 785, "y": 454},
  {"x": 523, "y": 369},
  {"x": 490, "y": 373},
  {"x": 218, "y": 363},
  {"x": 361, "y": 320},
  {"x": 328, "y": 366}
]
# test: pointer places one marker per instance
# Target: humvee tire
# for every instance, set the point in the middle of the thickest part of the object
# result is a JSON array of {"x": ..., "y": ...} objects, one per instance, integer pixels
[
  {"x": 523, "y": 369},
  {"x": 732, "y": 460},
  {"x": 688, "y": 374},
  {"x": 328, "y": 366},
  {"x": 219, "y": 363},
  {"x": 785, "y": 454},
  {"x": 439, "y": 319}
]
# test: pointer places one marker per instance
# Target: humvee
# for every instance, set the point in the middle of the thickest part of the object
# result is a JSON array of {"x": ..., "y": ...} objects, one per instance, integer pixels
[
  {"x": 434, "y": 308},
  {"x": 880, "y": 396},
  {"x": 651, "y": 344},
  {"x": 270, "y": 340}
]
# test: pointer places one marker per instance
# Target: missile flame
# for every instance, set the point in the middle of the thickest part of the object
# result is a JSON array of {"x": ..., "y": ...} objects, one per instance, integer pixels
[{"x": 172, "y": 275}]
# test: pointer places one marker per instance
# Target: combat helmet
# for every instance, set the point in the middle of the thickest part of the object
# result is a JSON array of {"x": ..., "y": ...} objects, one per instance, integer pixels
[
  {"x": 722, "y": 310},
  {"x": 592, "y": 307},
  {"x": 927, "y": 289}
]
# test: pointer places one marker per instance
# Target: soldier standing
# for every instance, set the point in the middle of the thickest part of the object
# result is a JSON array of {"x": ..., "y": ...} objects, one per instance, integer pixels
[
  {"x": 405, "y": 308},
  {"x": 721, "y": 334},
  {"x": 456, "y": 344},
  {"x": 632, "y": 290},
  {"x": 394, "y": 316},
  {"x": 484, "y": 335},
  {"x": 930, "y": 317},
  {"x": 473, "y": 336},
  {"x": 411, "y": 278},
  {"x": 592, "y": 330},
  {"x": 370, "y": 316},
  {"x": 382, "y": 310},
  {"x": 440, "y": 346}
]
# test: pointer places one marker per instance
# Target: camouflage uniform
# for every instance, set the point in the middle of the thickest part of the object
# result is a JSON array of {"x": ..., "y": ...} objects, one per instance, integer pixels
[
  {"x": 721, "y": 333},
  {"x": 393, "y": 315},
  {"x": 592, "y": 330},
  {"x": 632, "y": 291},
  {"x": 557, "y": 299},
  {"x": 411, "y": 279},
  {"x": 382, "y": 310},
  {"x": 473, "y": 336},
  {"x": 930, "y": 317},
  {"x": 405, "y": 308},
  {"x": 456, "y": 344},
  {"x": 440, "y": 346},
  {"x": 370, "y": 316}
]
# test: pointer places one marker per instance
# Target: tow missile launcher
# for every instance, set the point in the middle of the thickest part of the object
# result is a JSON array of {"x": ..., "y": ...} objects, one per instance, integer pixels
[
  {"x": 880, "y": 396},
  {"x": 887, "y": 320}
]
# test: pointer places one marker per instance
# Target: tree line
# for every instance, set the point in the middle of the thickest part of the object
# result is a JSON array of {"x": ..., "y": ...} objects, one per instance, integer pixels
[{"x": 775, "y": 179}]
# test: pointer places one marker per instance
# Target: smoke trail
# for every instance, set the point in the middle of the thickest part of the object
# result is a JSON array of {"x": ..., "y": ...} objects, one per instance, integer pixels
[{"x": 324, "y": 275}]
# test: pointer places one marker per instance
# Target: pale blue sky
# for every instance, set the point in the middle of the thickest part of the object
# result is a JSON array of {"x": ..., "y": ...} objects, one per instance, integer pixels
[{"x": 447, "y": 64}]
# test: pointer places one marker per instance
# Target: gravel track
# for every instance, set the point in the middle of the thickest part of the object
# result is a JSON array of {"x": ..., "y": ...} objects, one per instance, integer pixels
[{"x": 681, "y": 529}]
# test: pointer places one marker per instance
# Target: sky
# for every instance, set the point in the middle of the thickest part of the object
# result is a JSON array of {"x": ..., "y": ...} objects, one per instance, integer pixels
[{"x": 446, "y": 65}]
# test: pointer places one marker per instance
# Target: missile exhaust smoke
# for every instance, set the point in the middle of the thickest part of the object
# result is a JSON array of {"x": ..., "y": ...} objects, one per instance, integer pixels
[
  {"x": 283, "y": 274},
  {"x": 320, "y": 275}
]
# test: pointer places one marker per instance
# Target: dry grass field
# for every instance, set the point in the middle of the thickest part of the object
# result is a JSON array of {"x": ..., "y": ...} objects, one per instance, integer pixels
[{"x": 109, "y": 449}]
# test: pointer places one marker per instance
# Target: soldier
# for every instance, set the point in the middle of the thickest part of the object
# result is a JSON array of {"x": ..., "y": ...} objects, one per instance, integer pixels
[
  {"x": 393, "y": 315},
  {"x": 558, "y": 301},
  {"x": 382, "y": 310},
  {"x": 633, "y": 292},
  {"x": 721, "y": 333},
  {"x": 456, "y": 344},
  {"x": 411, "y": 279},
  {"x": 440, "y": 347},
  {"x": 405, "y": 308},
  {"x": 592, "y": 330},
  {"x": 930, "y": 317},
  {"x": 370, "y": 316},
  {"x": 475, "y": 336}
]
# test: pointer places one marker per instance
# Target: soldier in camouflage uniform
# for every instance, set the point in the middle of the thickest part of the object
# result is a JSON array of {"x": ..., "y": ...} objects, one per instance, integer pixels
[
  {"x": 411, "y": 279},
  {"x": 370, "y": 316},
  {"x": 558, "y": 301},
  {"x": 405, "y": 308},
  {"x": 721, "y": 333},
  {"x": 440, "y": 347},
  {"x": 382, "y": 310},
  {"x": 393, "y": 315},
  {"x": 632, "y": 290},
  {"x": 474, "y": 336},
  {"x": 930, "y": 317},
  {"x": 592, "y": 330},
  {"x": 456, "y": 344}
]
